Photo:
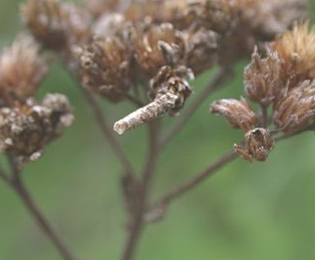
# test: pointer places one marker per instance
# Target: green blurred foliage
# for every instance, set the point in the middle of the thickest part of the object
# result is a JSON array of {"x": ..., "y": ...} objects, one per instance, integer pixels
[{"x": 248, "y": 211}]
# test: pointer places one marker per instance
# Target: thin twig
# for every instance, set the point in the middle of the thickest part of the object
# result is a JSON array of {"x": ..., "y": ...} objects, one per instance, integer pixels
[
  {"x": 101, "y": 121},
  {"x": 182, "y": 189},
  {"x": 197, "y": 179},
  {"x": 19, "y": 187},
  {"x": 218, "y": 80},
  {"x": 108, "y": 133},
  {"x": 137, "y": 222}
]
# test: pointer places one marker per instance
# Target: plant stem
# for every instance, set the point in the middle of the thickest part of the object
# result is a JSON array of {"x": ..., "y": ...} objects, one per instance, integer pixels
[
  {"x": 19, "y": 187},
  {"x": 108, "y": 133},
  {"x": 182, "y": 189},
  {"x": 142, "y": 195},
  {"x": 197, "y": 179},
  {"x": 218, "y": 80}
]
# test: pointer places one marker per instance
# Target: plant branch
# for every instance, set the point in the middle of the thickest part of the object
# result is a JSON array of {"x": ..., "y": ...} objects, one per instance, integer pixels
[
  {"x": 196, "y": 180},
  {"x": 19, "y": 187},
  {"x": 108, "y": 133},
  {"x": 216, "y": 82},
  {"x": 142, "y": 194},
  {"x": 182, "y": 189}
]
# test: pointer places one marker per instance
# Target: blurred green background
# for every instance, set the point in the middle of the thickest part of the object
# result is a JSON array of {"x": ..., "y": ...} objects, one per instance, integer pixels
[{"x": 248, "y": 211}]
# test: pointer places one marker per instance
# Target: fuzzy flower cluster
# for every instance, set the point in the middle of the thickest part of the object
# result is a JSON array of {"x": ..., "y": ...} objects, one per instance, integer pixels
[
  {"x": 281, "y": 79},
  {"x": 26, "y": 124},
  {"x": 159, "y": 44}
]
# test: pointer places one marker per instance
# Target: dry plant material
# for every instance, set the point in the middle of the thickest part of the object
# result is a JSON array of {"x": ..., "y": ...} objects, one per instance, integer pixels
[
  {"x": 238, "y": 113},
  {"x": 125, "y": 50},
  {"x": 21, "y": 70},
  {"x": 297, "y": 108},
  {"x": 168, "y": 92},
  {"x": 284, "y": 78},
  {"x": 258, "y": 144},
  {"x": 263, "y": 78},
  {"x": 58, "y": 26},
  {"x": 159, "y": 46},
  {"x": 26, "y": 125},
  {"x": 296, "y": 49},
  {"x": 105, "y": 67}
]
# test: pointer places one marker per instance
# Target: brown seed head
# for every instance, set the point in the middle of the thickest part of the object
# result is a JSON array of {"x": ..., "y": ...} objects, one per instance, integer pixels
[
  {"x": 202, "y": 49},
  {"x": 21, "y": 70},
  {"x": 297, "y": 109},
  {"x": 25, "y": 130},
  {"x": 56, "y": 25},
  {"x": 105, "y": 67},
  {"x": 238, "y": 113},
  {"x": 158, "y": 46},
  {"x": 263, "y": 78},
  {"x": 296, "y": 50},
  {"x": 258, "y": 144}
]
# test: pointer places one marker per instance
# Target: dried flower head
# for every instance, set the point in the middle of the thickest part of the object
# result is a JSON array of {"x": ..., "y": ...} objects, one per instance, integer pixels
[
  {"x": 56, "y": 25},
  {"x": 297, "y": 109},
  {"x": 296, "y": 50},
  {"x": 202, "y": 49},
  {"x": 238, "y": 113},
  {"x": 168, "y": 92},
  {"x": 173, "y": 81},
  {"x": 25, "y": 130},
  {"x": 215, "y": 15},
  {"x": 105, "y": 67},
  {"x": 21, "y": 70},
  {"x": 158, "y": 46},
  {"x": 258, "y": 144},
  {"x": 263, "y": 78}
]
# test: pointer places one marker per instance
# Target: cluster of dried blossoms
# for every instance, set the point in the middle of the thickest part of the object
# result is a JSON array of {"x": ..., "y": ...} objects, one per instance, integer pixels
[
  {"x": 281, "y": 79},
  {"x": 26, "y": 124},
  {"x": 158, "y": 44}
]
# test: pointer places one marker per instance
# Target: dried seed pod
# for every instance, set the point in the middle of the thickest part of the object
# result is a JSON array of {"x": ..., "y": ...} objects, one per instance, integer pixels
[
  {"x": 158, "y": 46},
  {"x": 169, "y": 90},
  {"x": 56, "y": 25},
  {"x": 297, "y": 109},
  {"x": 263, "y": 78},
  {"x": 105, "y": 67},
  {"x": 296, "y": 50},
  {"x": 21, "y": 70},
  {"x": 25, "y": 130},
  {"x": 215, "y": 15},
  {"x": 202, "y": 49},
  {"x": 238, "y": 113},
  {"x": 109, "y": 25},
  {"x": 258, "y": 144},
  {"x": 61, "y": 116}
]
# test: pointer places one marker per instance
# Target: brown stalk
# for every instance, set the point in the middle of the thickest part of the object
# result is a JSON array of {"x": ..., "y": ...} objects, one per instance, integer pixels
[
  {"x": 16, "y": 183},
  {"x": 137, "y": 219},
  {"x": 188, "y": 185},
  {"x": 107, "y": 132}
]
